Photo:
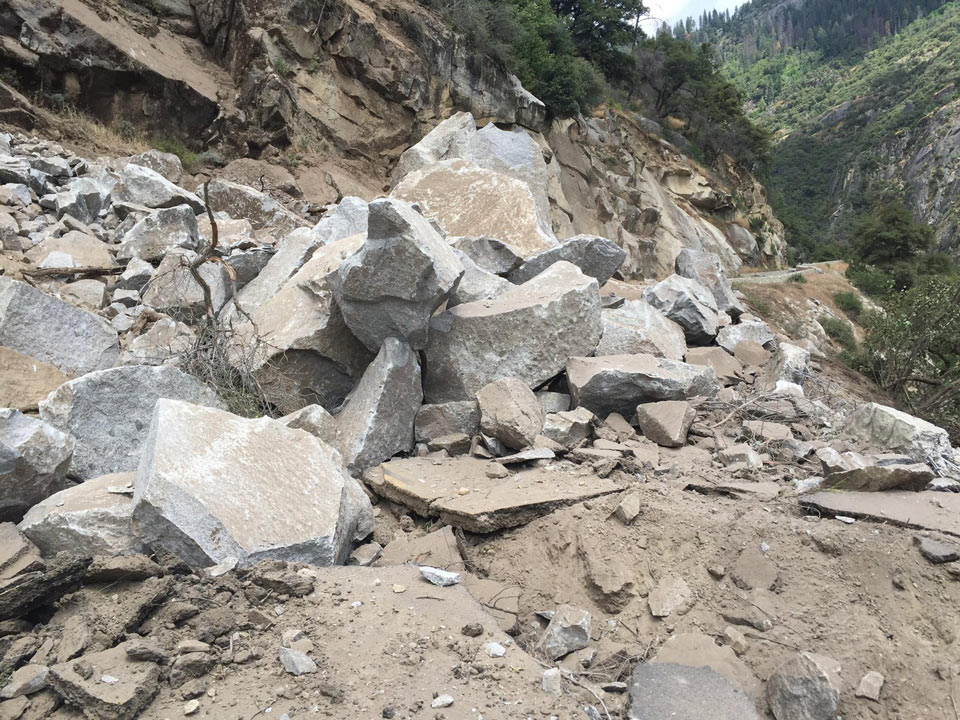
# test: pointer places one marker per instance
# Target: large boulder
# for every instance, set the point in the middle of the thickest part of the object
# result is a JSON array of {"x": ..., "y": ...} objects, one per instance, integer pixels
[
  {"x": 71, "y": 250},
  {"x": 707, "y": 269},
  {"x": 241, "y": 201},
  {"x": 108, "y": 413},
  {"x": 688, "y": 304},
  {"x": 896, "y": 431},
  {"x": 377, "y": 419},
  {"x": 52, "y": 331},
  {"x": 461, "y": 417},
  {"x": 140, "y": 185},
  {"x": 399, "y": 277},
  {"x": 93, "y": 518},
  {"x": 728, "y": 369},
  {"x": 528, "y": 332},
  {"x": 213, "y": 486},
  {"x": 303, "y": 351},
  {"x": 510, "y": 412},
  {"x": 160, "y": 231},
  {"x": 755, "y": 330},
  {"x": 637, "y": 327},
  {"x": 34, "y": 458},
  {"x": 467, "y": 199},
  {"x": 596, "y": 257},
  {"x": 618, "y": 383}
]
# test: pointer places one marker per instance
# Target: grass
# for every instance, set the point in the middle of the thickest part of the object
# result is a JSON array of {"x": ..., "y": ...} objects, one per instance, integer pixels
[
  {"x": 850, "y": 303},
  {"x": 119, "y": 134},
  {"x": 761, "y": 305},
  {"x": 281, "y": 66},
  {"x": 188, "y": 158},
  {"x": 840, "y": 331},
  {"x": 798, "y": 279}
]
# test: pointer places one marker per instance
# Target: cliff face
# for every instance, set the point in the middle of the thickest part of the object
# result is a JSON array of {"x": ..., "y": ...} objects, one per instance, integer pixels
[{"x": 336, "y": 90}]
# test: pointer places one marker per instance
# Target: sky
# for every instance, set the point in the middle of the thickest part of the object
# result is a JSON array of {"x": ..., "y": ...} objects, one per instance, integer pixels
[{"x": 673, "y": 10}]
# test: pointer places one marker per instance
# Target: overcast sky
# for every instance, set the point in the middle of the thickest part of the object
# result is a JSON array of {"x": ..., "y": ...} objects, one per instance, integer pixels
[{"x": 673, "y": 10}]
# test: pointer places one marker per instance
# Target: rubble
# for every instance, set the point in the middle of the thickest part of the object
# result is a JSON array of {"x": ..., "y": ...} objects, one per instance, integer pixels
[
  {"x": 804, "y": 688},
  {"x": 666, "y": 423},
  {"x": 527, "y": 332},
  {"x": 107, "y": 413},
  {"x": 510, "y": 412},
  {"x": 707, "y": 269},
  {"x": 619, "y": 383},
  {"x": 568, "y": 631},
  {"x": 281, "y": 492},
  {"x": 34, "y": 459}
]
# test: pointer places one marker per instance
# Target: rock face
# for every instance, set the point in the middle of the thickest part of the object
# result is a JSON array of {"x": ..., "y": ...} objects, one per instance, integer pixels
[
  {"x": 434, "y": 421},
  {"x": 377, "y": 419},
  {"x": 637, "y": 327},
  {"x": 93, "y": 518},
  {"x": 399, "y": 277},
  {"x": 666, "y": 423},
  {"x": 527, "y": 332},
  {"x": 510, "y": 412},
  {"x": 280, "y": 493},
  {"x": 52, "y": 331},
  {"x": 618, "y": 383},
  {"x": 804, "y": 689},
  {"x": 688, "y": 304},
  {"x": 108, "y": 413},
  {"x": 896, "y": 431},
  {"x": 707, "y": 269},
  {"x": 596, "y": 257},
  {"x": 34, "y": 458},
  {"x": 467, "y": 199}
]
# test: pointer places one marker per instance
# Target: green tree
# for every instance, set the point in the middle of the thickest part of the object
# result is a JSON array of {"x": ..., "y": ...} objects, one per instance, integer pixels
[
  {"x": 889, "y": 235},
  {"x": 602, "y": 30}
]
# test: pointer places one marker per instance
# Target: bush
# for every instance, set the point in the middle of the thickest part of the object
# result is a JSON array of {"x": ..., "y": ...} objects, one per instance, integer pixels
[
  {"x": 848, "y": 302},
  {"x": 189, "y": 159},
  {"x": 798, "y": 279},
  {"x": 875, "y": 283},
  {"x": 839, "y": 330},
  {"x": 281, "y": 66}
]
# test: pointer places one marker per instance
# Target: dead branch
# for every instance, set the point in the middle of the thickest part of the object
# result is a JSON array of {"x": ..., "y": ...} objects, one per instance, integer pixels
[{"x": 80, "y": 272}]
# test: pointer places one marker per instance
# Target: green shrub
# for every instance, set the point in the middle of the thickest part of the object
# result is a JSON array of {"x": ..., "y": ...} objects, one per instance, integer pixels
[
  {"x": 175, "y": 146},
  {"x": 848, "y": 302},
  {"x": 872, "y": 281},
  {"x": 798, "y": 279},
  {"x": 839, "y": 330},
  {"x": 281, "y": 66}
]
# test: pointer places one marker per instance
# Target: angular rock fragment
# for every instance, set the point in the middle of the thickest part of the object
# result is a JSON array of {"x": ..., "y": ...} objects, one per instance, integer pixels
[
  {"x": 596, "y": 257},
  {"x": 26, "y": 680},
  {"x": 672, "y": 595},
  {"x": 510, "y": 412},
  {"x": 489, "y": 254},
  {"x": 767, "y": 432},
  {"x": 167, "y": 164},
  {"x": 728, "y": 369},
  {"x": 93, "y": 518},
  {"x": 34, "y": 589},
  {"x": 397, "y": 279},
  {"x": 296, "y": 663},
  {"x": 688, "y": 304},
  {"x": 875, "y": 475},
  {"x": 568, "y": 631},
  {"x": 804, "y": 688},
  {"x": 434, "y": 421},
  {"x": 241, "y": 201},
  {"x": 528, "y": 332},
  {"x": 315, "y": 420},
  {"x": 707, "y": 269},
  {"x": 377, "y": 419},
  {"x": 143, "y": 186},
  {"x": 896, "y": 431},
  {"x": 476, "y": 284},
  {"x": 936, "y": 551},
  {"x": 756, "y": 331},
  {"x": 870, "y": 686},
  {"x": 52, "y": 331},
  {"x": 750, "y": 353},
  {"x": 790, "y": 363},
  {"x": 34, "y": 458},
  {"x": 108, "y": 413},
  {"x": 137, "y": 273},
  {"x": 618, "y": 383},
  {"x": 280, "y": 493},
  {"x": 160, "y": 231},
  {"x": 25, "y": 381},
  {"x": 637, "y": 327},
  {"x": 666, "y": 423},
  {"x": 71, "y": 250},
  {"x": 570, "y": 427}
]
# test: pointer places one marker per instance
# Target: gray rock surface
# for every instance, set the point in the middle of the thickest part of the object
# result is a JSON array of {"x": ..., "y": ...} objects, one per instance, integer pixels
[
  {"x": 688, "y": 304},
  {"x": 619, "y": 383},
  {"x": 896, "y": 431},
  {"x": 637, "y": 327},
  {"x": 108, "y": 413},
  {"x": 241, "y": 201},
  {"x": 376, "y": 421},
  {"x": 315, "y": 420},
  {"x": 159, "y": 231},
  {"x": 174, "y": 291},
  {"x": 568, "y": 631},
  {"x": 597, "y": 257},
  {"x": 804, "y": 688},
  {"x": 35, "y": 324},
  {"x": 397, "y": 279},
  {"x": 707, "y": 269},
  {"x": 666, "y": 423},
  {"x": 569, "y": 427},
  {"x": 678, "y": 692},
  {"x": 137, "y": 273},
  {"x": 510, "y": 412},
  {"x": 458, "y": 417},
  {"x": 476, "y": 284},
  {"x": 756, "y": 330},
  {"x": 34, "y": 458},
  {"x": 93, "y": 518},
  {"x": 936, "y": 551},
  {"x": 490, "y": 254},
  {"x": 528, "y": 332},
  {"x": 143, "y": 186},
  {"x": 280, "y": 493}
]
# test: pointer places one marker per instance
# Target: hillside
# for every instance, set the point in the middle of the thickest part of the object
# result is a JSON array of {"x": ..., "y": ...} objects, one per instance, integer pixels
[{"x": 875, "y": 114}]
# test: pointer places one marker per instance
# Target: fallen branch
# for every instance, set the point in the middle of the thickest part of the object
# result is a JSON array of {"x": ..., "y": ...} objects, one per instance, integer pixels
[{"x": 78, "y": 271}]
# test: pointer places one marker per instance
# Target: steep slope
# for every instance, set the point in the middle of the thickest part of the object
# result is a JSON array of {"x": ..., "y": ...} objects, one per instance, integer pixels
[{"x": 317, "y": 100}]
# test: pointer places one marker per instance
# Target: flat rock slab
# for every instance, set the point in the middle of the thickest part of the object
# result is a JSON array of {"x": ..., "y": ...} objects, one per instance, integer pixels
[
  {"x": 678, "y": 692},
  {"x": 458, "y": 491},
  {"x": 920, "y": 510}
]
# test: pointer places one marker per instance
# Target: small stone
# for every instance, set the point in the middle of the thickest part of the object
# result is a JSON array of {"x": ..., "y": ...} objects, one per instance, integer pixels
[
  {"x": 365, "y": 554},
  {"x": 552, "y": 682},
  {"x": 736, "y": 640},
  {"x": 296, "y": 663},
  {"x": 614, "y": 687},
  {"x": 936, "y": 551},
  {"x": 389, "y": 713},
  {"x": 472, "y": 630},
  {"x": 672, "y": 595},
  {"x": 442, "y": 701},
  {"x": 628, "y": 509},
  {"x": 494, "y": 650},
  {"x": 25, "y": 681},
  {"x": 846, "y": 520},
  {"x": 568, "y": 631},
  {"x": 870, "y": 686},
  {"x": 191, "y": 707},
  {"x": 441, "y": 578},
  {"x": 399, "y": 589}
]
